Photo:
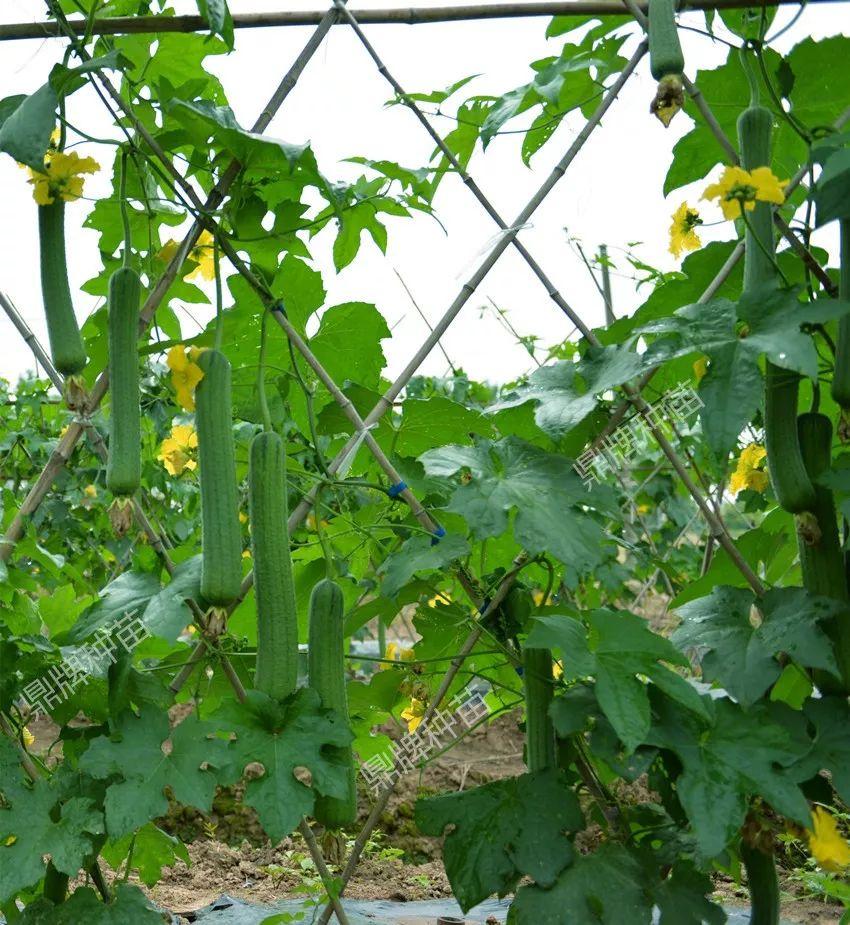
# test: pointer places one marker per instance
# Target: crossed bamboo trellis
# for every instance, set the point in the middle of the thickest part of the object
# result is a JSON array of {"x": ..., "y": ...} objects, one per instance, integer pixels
[{"x": 709, "y": 509}]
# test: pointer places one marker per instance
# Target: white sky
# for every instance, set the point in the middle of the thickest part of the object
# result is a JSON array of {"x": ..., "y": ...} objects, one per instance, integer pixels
[{"x": 612, "y": 193}]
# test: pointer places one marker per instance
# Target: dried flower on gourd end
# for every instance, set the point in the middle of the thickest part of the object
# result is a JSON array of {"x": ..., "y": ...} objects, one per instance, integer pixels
[
  {"x": 844, "y": 427},
  {"x": 121, "y": 515},
  {"x": 76, "y": 393},
  {"x": 757, "y": 833},
  {"x": 669, "y": 98},
  {"x": 333, "y": 846},
  {"x": 216, "y": 621},
  {"x": 808, "y": 528}
]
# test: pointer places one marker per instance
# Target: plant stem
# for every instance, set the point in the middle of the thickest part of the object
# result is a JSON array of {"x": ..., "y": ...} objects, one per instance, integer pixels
[
  {"x": 219, "y": 312},
  {"x": 261, "y": 376},
  {"x": 125, "y": 216}
]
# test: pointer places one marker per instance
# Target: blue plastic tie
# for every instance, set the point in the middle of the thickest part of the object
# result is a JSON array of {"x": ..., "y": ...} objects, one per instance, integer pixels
[
  {"x": 397, "y": 489},
  {"x": 519, "y": 670},
  {"x": 439, "y": 533}
]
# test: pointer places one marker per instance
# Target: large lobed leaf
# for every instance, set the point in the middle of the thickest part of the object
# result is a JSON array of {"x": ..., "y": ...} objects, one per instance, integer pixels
[
  {"x": 512, "y": 475},
  {"x": 503, "y": 831}
]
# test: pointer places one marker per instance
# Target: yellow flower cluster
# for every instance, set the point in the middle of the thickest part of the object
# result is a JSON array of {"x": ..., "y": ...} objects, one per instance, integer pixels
[
  {"x": 747, "y": 473},
  {"x": 413, "y": 714},
  {"x": 739, "y": 189},
  {"x": 396, "y": 653},
  {"x": 828, "y": 847},
  {"x": 185, "y": 374},
  {"x": 202, "y": 254},
  {"x": 176, "y": 452},
  {"x": 62, "y": 177},
  {"x": 683, "y": 238}
]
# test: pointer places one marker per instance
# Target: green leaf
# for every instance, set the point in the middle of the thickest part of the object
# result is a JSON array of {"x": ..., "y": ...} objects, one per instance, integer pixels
[
  {"x": 65, "y": 80},
  {"x": 618, "y": 648},
  {"x": 563, "y": 83},
  {"x": 765, "y": 321},
  {"x": 542, "y": 487},
  {"x": 831, "y": 745},
  {"x": 282, "y": 737},
  {"x": 820, "y": 92},
  {"x": 26, "y": 820},
  {"x": 25, "y": 133},
  {"x": 167, "y": 613},
  {"x": 681, "y": 898},
  {"x": 561, "y": 402},
  {"x": 302, "y": 290},
  {"x": 737, "y": 756},
  {"x": 793, "y": 687},
  {"x": 348, "y": 343},
  {"x": 741, "y": 657},
  {"x": 726, "y": 90},
  {"x": 202, "y": 119},
  {"x": 499, "y": 830},
  {"x": 603, "y": 888},
  {"x": 8, "y": 105},
  {"x": 351, "y": 224},
  {"x": 832, "y": 192},
  {"x": 153, "y": 850},
  {"x": 218, "y": 18},
  {"x": 128, "y": 594},
  {"x": 84, "y": 905},
  {"x": 440, "y": 96},
  {"x": 436, "y": 421},
  {"x": 568, "y": 634},
  {"x": 135, "y": 754},
  {"x": 418, "y": 554}
]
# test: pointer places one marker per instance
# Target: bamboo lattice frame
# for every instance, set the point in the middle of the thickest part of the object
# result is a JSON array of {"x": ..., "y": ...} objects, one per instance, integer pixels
[{"x": 708, "y": 508}]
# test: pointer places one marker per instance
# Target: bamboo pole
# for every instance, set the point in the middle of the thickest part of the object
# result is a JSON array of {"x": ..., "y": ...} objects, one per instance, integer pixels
[
  {"x": 607, "y": 298},
  {"x": 127, "y": 25}
]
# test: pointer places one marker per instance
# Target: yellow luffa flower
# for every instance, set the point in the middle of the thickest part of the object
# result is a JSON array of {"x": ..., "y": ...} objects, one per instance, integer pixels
[
  {"x": 683, "y": 238},
  {"x": 90, "y": 491},
  {"x": 62, "y": 177},
  {"x": 413, "y": 714},
  {"x": 739, "y": 189},
  {"x": 176, "y": 451},
  {"x": 396, "y": 653},
  {"x": 310, "y": 522},
  {"x": 747, "y": 474},
  {"x": 828, "y": 848},
  {"x": 28, "y": 737},
  {"x": 202, "y": 254},
  {"x": 185, "y": 374}
]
